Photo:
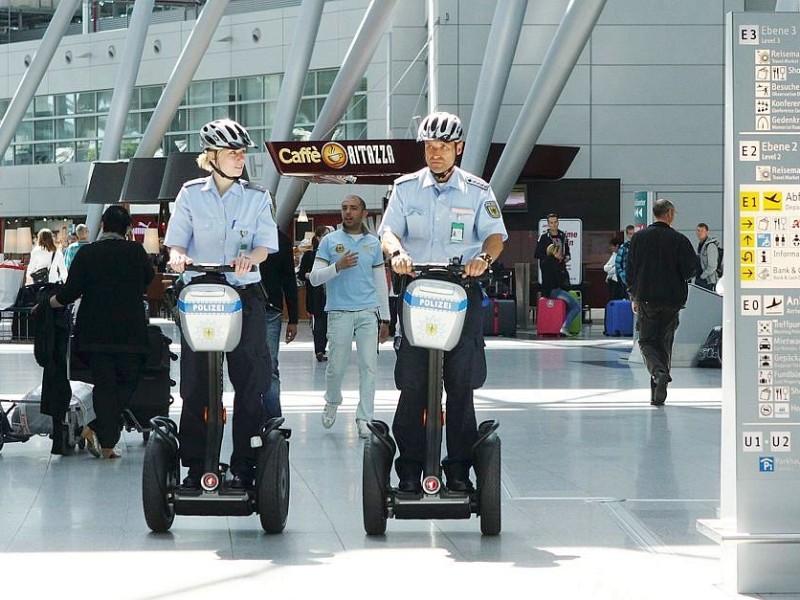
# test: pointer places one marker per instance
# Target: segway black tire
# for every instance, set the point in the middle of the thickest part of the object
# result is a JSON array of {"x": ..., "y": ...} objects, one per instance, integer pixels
[
  {"x": 489, "y": 491},
  {"x": 159, "y": 478},
  {"x": 272, "y": 485},
  {"x": 373, "y": 491}
]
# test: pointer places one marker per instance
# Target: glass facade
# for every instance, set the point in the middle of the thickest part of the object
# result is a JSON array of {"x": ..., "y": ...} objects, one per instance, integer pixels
[{"x": 70, "y": 127}]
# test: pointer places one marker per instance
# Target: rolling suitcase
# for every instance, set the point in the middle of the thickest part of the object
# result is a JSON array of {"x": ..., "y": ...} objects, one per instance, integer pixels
[
  {"x": 152, "y": 397},
  {"x": 619, "y": 318},
  {"x": 500, "y": 318},
  {"x": 550, "y": 315}
]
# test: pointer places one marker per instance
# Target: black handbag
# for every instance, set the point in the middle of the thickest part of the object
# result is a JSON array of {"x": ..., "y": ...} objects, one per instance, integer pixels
[{"x": 41, "y": 275}]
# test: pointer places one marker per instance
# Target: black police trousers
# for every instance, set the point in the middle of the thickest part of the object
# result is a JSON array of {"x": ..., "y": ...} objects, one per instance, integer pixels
[
  {"x": 464, "y": 371},
  {"x": 250, "y": 376}
]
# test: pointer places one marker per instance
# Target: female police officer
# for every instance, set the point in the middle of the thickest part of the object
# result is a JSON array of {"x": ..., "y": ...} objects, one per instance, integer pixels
[
  {"x": 222, "y": 219},
  {"x": 435, "y": 214}
]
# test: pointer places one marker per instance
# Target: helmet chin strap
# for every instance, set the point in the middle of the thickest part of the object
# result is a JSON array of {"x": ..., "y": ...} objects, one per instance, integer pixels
[{"x": 444, "y": 175}]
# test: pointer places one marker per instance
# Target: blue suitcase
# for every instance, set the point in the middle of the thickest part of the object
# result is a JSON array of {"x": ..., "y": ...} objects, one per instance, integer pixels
[{"x": 619, "y": 318}]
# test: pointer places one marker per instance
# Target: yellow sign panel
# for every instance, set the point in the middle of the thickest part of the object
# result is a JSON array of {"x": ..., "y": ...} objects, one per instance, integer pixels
[
  {"x": 747, "y": 274},
  {"x": 747, "y": 257},
  {"x": 772, "y": 201},
  {"x": 747, "y": 240},
  {"x": 748, "y": 201},
  {"x": 747, "y": 224}
]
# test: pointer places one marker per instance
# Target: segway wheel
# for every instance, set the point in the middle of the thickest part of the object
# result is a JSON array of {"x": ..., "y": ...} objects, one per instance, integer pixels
[
  {"x": 373, "y": 491},
  {"x": 159, "y": 478},
  {"x": 272, "y": 486},
  {"x": 489, "y": 491}
]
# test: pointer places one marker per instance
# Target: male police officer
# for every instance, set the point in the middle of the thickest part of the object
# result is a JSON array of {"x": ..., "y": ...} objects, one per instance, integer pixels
[{"x": 435, "y": 214}]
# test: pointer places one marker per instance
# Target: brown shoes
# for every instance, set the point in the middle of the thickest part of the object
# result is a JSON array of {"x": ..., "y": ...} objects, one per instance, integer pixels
[{"x": 92, "y": 443}]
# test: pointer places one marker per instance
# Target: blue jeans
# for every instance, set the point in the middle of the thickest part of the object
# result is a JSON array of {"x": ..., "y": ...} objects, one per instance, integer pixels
[
  {"x": 342, "y": 326},
  {"x": 272, "y": 399},
  {"x": 573, "y": 307}
]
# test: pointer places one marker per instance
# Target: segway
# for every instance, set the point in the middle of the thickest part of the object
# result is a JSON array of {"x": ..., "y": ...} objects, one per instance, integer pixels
[
  {"x": 211, "y": 321},
  {"x": 434, "y": 309}
]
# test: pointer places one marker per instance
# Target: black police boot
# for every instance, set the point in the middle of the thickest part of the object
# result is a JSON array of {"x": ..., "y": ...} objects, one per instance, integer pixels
[
  {"x": 243, "y": 478},
  {"x": 457, "y": 476},
  {"x": 409, "y": 473},
  {"x": 192, "y": 479}
]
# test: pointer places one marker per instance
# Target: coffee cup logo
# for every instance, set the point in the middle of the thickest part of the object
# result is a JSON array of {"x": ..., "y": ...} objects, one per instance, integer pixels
[{"x": 334, "y": 155}]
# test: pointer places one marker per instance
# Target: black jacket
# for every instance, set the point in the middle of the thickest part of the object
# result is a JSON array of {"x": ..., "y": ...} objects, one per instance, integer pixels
[
  {"x": 278, "y": 278},
  {"x": 111, "y": 277},
  {"x": 660, "y": 262},
  {"x": 316, "y": 298},
  {"x": 50, "y": 351}
]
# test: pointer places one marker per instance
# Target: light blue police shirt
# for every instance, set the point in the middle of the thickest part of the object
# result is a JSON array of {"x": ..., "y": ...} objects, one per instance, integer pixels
[
  {"x": 215, "y": 229},
  {"x": 353, "y": 288},
  {"x": 436, "y": 223}
]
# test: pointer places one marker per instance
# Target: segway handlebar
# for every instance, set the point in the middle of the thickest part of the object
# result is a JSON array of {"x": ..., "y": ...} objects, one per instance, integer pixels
[
  {"x": 209, "y": 268},
  {"x": 454, "y": 268}
]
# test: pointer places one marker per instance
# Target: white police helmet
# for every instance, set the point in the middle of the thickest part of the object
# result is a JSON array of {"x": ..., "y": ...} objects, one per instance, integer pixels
[
  {"x": 441, "y": 126},
  {"x": 224, "y": 133}
]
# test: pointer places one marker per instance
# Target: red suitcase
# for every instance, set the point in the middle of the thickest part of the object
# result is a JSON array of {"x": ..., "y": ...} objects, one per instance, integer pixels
[{"x": 550, "y": 315}]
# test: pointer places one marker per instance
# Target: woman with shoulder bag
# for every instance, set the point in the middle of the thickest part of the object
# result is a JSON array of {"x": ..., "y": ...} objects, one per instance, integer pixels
[{"x": 47, "y": 262}]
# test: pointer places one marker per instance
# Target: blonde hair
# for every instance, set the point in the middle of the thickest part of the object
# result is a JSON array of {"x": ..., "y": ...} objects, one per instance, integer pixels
[{"x": 203, "y": 160}]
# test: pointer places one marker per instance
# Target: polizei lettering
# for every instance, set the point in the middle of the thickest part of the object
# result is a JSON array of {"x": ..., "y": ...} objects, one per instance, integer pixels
[
  {"x": 437, "y": 304},
  {"x": 208, "y": 308},
  {"x": 370, "y": 154}
]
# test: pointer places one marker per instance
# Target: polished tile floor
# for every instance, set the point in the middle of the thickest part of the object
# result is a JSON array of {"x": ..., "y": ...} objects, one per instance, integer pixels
[{"x": 601, "y": 493}]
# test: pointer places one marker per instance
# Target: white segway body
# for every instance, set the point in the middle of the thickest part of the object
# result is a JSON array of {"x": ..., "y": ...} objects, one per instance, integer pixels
[
  {"x": 211, "y": 317},
  {"x": 433, "y": 313}
]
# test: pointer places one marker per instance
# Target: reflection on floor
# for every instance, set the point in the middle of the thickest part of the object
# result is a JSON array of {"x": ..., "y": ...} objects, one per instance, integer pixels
[{"x": 601, "y": 492}]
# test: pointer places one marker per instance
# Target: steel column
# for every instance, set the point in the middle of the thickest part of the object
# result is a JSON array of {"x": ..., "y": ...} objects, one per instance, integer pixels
[
  {"x": 562, "y": 55},
  {"x": 33, "y": 76},
  {"x": 344, "y": 86},
  {"x": 294, "y": 78},
  {"x": 498, "y": 57}
]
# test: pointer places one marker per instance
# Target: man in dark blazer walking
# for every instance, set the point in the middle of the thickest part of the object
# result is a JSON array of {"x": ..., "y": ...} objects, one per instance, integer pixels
[{"x": 660, "y": 262}]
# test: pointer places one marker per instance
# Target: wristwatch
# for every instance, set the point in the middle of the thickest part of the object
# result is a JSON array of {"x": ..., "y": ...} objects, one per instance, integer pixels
[
  {"x": 383, "y": 321},
  {"x": 486, "y": 257},
  {"x": 397, "y": 253}
]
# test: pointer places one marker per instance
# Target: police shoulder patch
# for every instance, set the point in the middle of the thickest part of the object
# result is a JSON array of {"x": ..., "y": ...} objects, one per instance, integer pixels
[
  {"x": 253, "y": 186},
  {"x": 492, "y": 208},
  {"x": 477, "y": 181},
  {"x": 197, "y": 181},
  {"x": 406, "y": 178}
]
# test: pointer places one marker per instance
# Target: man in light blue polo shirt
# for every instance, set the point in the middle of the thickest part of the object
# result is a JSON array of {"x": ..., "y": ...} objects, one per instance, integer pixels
[
  {"x": 435, "y": 214},
  {"x": 349, "y": 262},
  {"x": 224, "y": 220}
]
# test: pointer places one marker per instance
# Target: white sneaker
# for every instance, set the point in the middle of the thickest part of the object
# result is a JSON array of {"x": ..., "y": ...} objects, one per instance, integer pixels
[
  {"x": 329, "y": 415},
  {"x": 363, "y": 430}
]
